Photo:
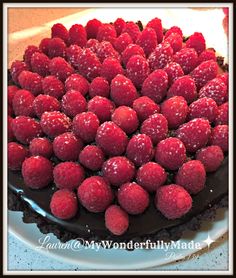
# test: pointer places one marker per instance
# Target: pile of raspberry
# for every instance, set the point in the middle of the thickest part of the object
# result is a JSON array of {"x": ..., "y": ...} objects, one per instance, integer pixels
[{"x": 127, "y": 105}]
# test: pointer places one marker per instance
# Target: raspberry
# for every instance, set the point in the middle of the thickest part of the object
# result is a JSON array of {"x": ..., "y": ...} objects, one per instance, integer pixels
[
  {"x": 16, "y": 68},
  {"x": 131, "y": 50},
  {"x": 155, "y": 85},
  {"x": 123, "y": 91},
  {"x": 95, "y": 194},
  {"x": 105, "y": 50},
  {"x": 133, "y": 198},
  {"x": 68, "y": 175},
  {"x": 203, "y": 73},
  {"x": 156, "y": 24},
  {"x": 126, "y": 118},
  {"x": 183, "y": 86},
  {"x": 119, "y": 25},
  {"x": 106, "y": 32},
  {"x": 67, "y": 147},
  {"x": 196, "y": 41},
  {"x": 211, "y": 157},
  {"x": 150, "y": 176},
  {"x": 37, "y": 172},
  {"x": 64, "y": 204},
  {"x": 16, "y": 154},
  {"x": 194, "y": 134},
  {"x": 170, "y": 153},
  {"x": 215, "y": 89},
  {"x": 56, "y": 48},
  {"x": 145, "y": 107},
  {"x": 58, "y": 30},
  {"x": 174, "y": 29},
  {"x": 220, "y": 137},
  {"x": 10, "y": 134},
  {"x": 122, "y": 42},
  {"x": 29, "y": 51},
  {"x": 116, "y": 220},
  {"x": 22, "y": 103},
  {"x": 10, "y": 111},
  {"x": 225, "y": 78},
  {"x": 222, "y": 117},
  {"x": 192, "y": 176},
  {"x": 41, "y": 146},
  {"x": 175, "y": 40},
  {"x": 111, "y": 139},
  {"x": 156, "y": 127},
  {"x": 78, "y": 83},
  {"x": 85, "y": 126},
  {"x": 25, "y": 129},
  {"x": 60, "y": 68},
  {"x": 187, "y": 58},
  {"x": 147, "y": 40},
  {"x": 92, "y": 157},
  {"x": 137, "y": 70},
  {"x": 206, "y": 55},
  {"x": 30, "y": 81},
  {"x": 92, "y": 27},
  {"x": 110, "y": 68},
  {"x": 118, "y": 170},
  {"x": 45, "y": 103},
  {"x": 73, "y": 103},
  {"x": 99, "y": 87},
  {"x": 54, "y": 123},
  {"x": 174, "y": 71},
  {"x": 40, "y": 64},
  {"x": 53, "y": 87},
  {"x": 11, "y": 90},
  {"x": 203, "y": 108},
  {"x": 132, "y": 29},
  {"x": 43, "y": 46},
  {"x": 93, "y": 44},
  {"x": 175, "y": 109},
  {"x": 161, "y": 56},
  {"x": 102, "y": 107},
  {"x": 173, "y": 201},
  {"x": 140, "y": 149},
  {"x": 77, "y": 35},
  {"x": 72, "y": 54}
]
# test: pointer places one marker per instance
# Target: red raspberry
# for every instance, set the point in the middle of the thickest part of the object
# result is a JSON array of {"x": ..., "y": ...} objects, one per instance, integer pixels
[
  {"x": 194, "y": 134},
  {"x": 174, "y": 29},
  {"x": 53, "y": 87},
  {"x": 45, "y": 103},
  {"x": 102, "y": 107},
  {"x": 225, "y": 78},
  {"x": 105, "y": 50},
  {"x": 116, "y": 220},
  {"x": 150, "y": 176},
  {"x": 99, "y": 87},
  {"x": 192, "y": 176},
  {"x": 95, "y": 194},
  {"x": 206, "y": 55},
  {"x": 56, "y": 48},
  {"x": 10, "y": 134},
  {"x": 10, "y": 111},
  {"x": 68, "y": 175},
  {"x": 175, "y": 109},
  {"x": 211, "y": 157},
  {"x": 156, "y": 127},
  {"x": 132, "y": 29},
  {"x": 123, "y": 91},
  {"x": 11, "y": 90},
  {"x": 72, "y": 54},
  {"x": 93, "y": 44},
  {"x": 133, "y": 198},
  {"x": 43, "y": 46},
  {"x": 16, "y": 68},
  {"x": 187, "y": 58},
  {"x": 67, "y": 147},
  {"x": 92, "y": 27},
  {"x": 137, "y": 70},
  {"x": 174, "y": 71},
  {"x": 92, "y": 157},
  {"x": 78, "y": 83},
  {"x": 37, "y": 172},
  {"x": 222, "y": 117},
  {"x": 140, "y": 149},
  {"x": 58, "y": 30},
  {"x": 126, "y": 118},
  {"x": 205, "y": 72},
  {"x": 119, "y": 25},
  {"x": 16, "y": 154},
  {"x": 106, "y": 32},
  {"x": 145, "y": 107},
  {"x": 60, "y": 68},
  {"x": 147, "y": 40},
  {"x": 175, "y": 40},
  {"x": 64, "y": 204},
  {"x": 220, "y": 137},
  {"x": 155, "y": 85},
  {"x": 122, "y": 42},
  {"x": 131, "y": 50},
  {"x": 85, "y": 126},
  {"x": 77, "y": 35},
  {"x": 170, "y": 153},
  {"x": 156, "y": 24},
  {"x": 215, "y": 89},
  {"x": 111, "y": 139},
  {"x": 54, "y": 123},
  {"x": 196, "y": 41},
  {"x": 73, "y": 103},
  {"x": 40, "y": 64},
  {"x": 173, "y": 201},
  {"x": 161, "y": 56},
  {"x": 203, "y": 108},
  {"x": 110, "y": 68},
  {"x": 23, "y": 103},
  {"x": 29, "y": 51},
  {"x": 25, "y": 129},
  {"x": 118, "y": 170},
  {"x": 30, "y": 81},
  {"x": 183, "y": 86},
  {"x": 41, "y": 146}
]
